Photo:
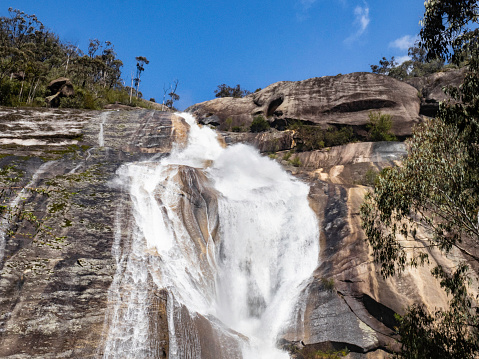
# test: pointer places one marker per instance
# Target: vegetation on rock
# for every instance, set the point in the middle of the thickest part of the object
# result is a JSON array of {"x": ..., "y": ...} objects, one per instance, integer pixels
[
  {"x": 31, "y": 56},
  {"x": 417, "y": 66},
  {"x": 259, "y": 124},
  {"x": 432, "y": 200},
  {"x": 379, "y": 127},
  {"x": 224, "y": 90}
]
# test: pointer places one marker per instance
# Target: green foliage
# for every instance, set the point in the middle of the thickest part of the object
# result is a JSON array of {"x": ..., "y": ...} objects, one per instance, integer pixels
[
  {"x": 432, "y": 200},
  {"x": 418, "y": 65},
  {"x": 379, "y": 127},
  {"x": 296, "y": 162},
  {"x": 334, "y": 137},
  {"x": 436, "y": 183},
  {"x": 447, "y": 334},
  {"x": 309, "y": 352},
  {"x": 31, "y": 56},
  {"x": 239, "y": 129},
  {"x": 370, "y": 177},
  {"x": 310, "y": 137},
  {"x": 384, "y": 66},
  {"x": 229, "y": 123},
  {"x": 287, "y": 155},
  {"x": 259, "y": 124},
  {"x": 82, "y": 99},
  {"x": 328, "y": 284},
  {"x": 173, "y": 96},
  {"x": 224, "y": 90}
]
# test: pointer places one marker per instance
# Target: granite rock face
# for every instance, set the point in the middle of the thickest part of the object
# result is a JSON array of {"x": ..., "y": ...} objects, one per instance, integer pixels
[
  {"x": 347, "y": 304},
  {"x": 54, "y": 293},
  {"x": 331, "y": 100},
  {"x": 431, "y": 88},
  {"x": 56, "y": 300}
]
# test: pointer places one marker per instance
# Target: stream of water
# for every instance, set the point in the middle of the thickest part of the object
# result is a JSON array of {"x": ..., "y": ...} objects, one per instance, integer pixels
[{"x": 245, "y": 281}]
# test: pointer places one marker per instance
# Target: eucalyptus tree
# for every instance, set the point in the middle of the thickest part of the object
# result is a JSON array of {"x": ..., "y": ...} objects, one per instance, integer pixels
[
  {"x": 140, "y": 67},
  {"x": 432, "y": 200}
]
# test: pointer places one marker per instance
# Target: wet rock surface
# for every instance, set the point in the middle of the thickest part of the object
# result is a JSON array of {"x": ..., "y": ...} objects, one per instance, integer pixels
[
  {"x": 54, "y": 292},
  {"x": 54, "y": 299}
]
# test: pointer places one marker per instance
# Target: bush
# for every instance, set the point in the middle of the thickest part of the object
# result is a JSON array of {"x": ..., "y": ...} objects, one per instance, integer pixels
[
  {"x": 370, "y": 177},
  {"x": 238, "y": 129},
  {"x": 310, "y": 137},
  {"x": 379, "y": 127},
  {"x": 229, "y": 123},
  {"x": 9, "y": 93},
  {"x": 259, "y": 124},
  {"x": 334, "y": 137},
  {"x": 287, "y": 156},
  {"x": 328, "y": 284},
  {"x": 296, "y": 162}
]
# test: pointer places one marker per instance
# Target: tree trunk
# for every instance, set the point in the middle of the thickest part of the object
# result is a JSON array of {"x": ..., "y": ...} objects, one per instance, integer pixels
[{"x": 131, "y": 87}]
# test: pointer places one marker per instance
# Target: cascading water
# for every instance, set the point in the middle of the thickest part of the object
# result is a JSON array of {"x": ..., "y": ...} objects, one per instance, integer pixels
[
  {"x": 101, "y": 138},
  {"x": 242, "y": 275}
]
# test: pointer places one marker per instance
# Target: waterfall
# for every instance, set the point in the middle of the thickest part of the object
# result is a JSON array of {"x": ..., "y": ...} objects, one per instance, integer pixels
[{"x": 238, "y": 268}]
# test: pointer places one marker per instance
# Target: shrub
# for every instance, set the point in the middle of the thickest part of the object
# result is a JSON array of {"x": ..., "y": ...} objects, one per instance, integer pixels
[
  {"x": 259, "y": 124},
  {"x": 287, "y": 156},
  {"x": 370, "y": 177},
  {"x": 296, "y": 162},
  {"x": 308, "y": 138},
  {"x": 229, "y": 123},
  {"x": 379, "y": 127},
  {"x": 328, "y": 284},
  {"x": 333, "y": 137},
  {"x": 309, "y": 352},
  {"x": 311, "y": 137}
]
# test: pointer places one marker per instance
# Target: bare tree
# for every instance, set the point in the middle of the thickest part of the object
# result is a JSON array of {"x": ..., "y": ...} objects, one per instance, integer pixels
[{"x": 172, "y": 94}]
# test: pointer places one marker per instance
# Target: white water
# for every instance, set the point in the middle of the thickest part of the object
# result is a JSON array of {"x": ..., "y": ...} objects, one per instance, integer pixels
[
  {"x": 101, "y": 138},
  {"x": 249, "y": 280}
]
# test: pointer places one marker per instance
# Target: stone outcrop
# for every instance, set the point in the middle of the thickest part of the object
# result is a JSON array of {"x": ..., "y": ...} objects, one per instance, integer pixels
[
  {"x": 431, "y": 88},
  {"x": 331, "y": 100},
  {"x": 61, "y": 87}
]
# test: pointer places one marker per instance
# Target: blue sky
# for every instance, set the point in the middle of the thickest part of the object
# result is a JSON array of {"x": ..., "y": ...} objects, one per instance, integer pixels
[{"x": 252, "y": 43}]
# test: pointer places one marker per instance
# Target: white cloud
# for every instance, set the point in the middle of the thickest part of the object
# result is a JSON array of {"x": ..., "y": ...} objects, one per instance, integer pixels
[
  {"x": 361, "y": 22},
  {"x": 403, "y": 43},
  {"x": 306, "y": 4},
  {"x": 303, "y": 7},
  {"x": 362, "y": 18},
  {"x": 402, "y": 59}
]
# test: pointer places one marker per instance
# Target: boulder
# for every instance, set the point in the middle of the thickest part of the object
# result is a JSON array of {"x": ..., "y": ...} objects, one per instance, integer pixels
[
  {"x": 325, "y": 101},
  {"x": 61, "y": 87}
]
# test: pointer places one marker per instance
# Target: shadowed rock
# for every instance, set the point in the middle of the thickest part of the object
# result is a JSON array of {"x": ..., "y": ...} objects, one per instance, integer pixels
[
  {"x": 431, "y": 88},
  {"x": 61, "y": 87}
]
